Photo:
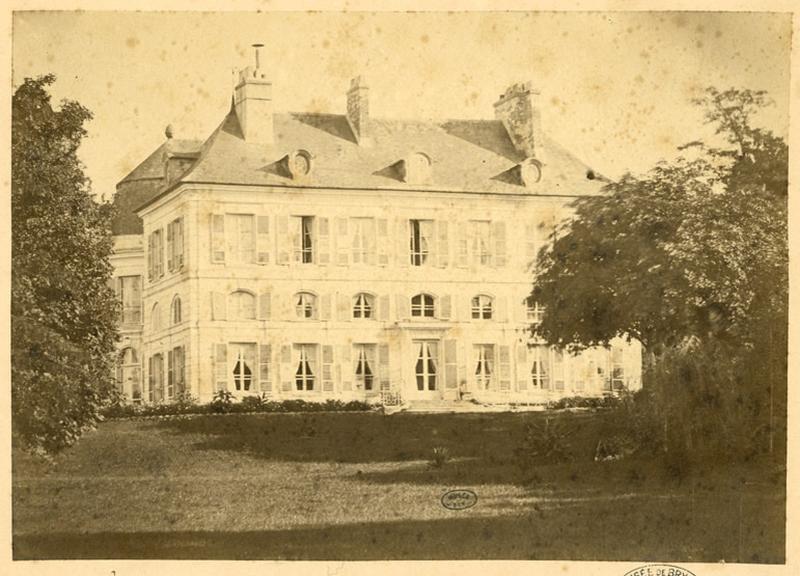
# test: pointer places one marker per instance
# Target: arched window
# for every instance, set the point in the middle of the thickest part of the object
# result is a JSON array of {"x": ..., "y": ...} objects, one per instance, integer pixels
[
  {"x": 241, "y": 306},
  {"x": 422, "y": 305},
  {"x": 305, "y": 305},
  {"x": 482, "y": 307},
  {"x": 176, "y": 314},
  {"x": 363, "y": 306},
  {"x": 155, "y": 317}
]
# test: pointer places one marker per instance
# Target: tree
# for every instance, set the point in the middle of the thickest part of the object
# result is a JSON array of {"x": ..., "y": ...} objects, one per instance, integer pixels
[
  {"x": 63, "y": 310},
  {"x": 691, "y": 259}
]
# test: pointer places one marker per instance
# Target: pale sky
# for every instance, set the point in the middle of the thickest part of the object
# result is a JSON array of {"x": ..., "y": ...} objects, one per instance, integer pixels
[{"x": 615, "y": 87}]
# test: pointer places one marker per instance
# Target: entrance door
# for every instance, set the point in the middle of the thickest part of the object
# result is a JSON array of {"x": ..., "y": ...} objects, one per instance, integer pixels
[
  {"x": 242, "y": 360},
  {"x": 427, "y": 370}
]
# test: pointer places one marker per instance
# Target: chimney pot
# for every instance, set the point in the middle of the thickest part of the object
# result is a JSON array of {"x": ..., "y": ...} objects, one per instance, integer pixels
[{"x": 518, "y": 110}]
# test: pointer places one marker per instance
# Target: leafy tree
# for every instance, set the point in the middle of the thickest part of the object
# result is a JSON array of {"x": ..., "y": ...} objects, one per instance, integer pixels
[
  {"x": 63, "y": 310},
  {"x": 691, "y": 259}
]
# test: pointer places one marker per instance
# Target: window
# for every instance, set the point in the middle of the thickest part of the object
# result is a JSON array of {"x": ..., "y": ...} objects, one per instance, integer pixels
[
  {"x": 365, "y": 365},
  {"x": 305, "y": 358},
  {"x": 363, "y": 240},
  {"x": 128, "y": 372},
  {"x": 421, "y": 236},
  {"x": 617, "y": 369},
  {"x": 176, "y": 310},
  {"x": 241, "y": 306},
  {"x": 422, "y": 305},
  {"x": 540, "y": 372},
  {"x": 482, "y": 307},
  {"x": 155, "y": 255},
  {"x": 305, "y": 305},
  {"x": 175, "y": 245},
  {"x": 363, "y": 306},
  {"x": 243, "y": 364},
  {"x": 535, "y": 312},
  {"x": 129, "y": 294},
  {"x": 480, "y": 242},
  {"x": 484, "y": 366},
  {"x": 155, "y": 317},
  {"x": 302, "y": 234},
  {"x": 559, "y": 369},
  {"x": 240, "y": 240},
  {"x": 176, "y": 381},
  {"x": 425, "y": 367}
]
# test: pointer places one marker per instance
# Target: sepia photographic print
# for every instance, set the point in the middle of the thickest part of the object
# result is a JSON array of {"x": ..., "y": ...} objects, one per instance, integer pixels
[{"x": 326, "y": 283}]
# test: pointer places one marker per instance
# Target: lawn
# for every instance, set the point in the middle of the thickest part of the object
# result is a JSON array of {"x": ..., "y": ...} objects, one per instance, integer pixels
[{"x": 362, "y": 486}]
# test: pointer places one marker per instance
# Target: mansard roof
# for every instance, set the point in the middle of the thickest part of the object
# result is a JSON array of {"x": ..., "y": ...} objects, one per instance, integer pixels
[{"x": 466, "y": 156}]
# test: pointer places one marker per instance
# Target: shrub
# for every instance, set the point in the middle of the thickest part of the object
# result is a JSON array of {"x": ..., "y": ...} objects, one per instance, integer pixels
[
  {"x": 222, "y": 402},
  {"x": 440, "y": 455},
  {"x": 544, "y": 442}
]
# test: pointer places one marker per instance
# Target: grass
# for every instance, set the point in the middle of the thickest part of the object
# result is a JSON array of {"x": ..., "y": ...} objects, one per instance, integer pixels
[{"x": 362, "y": 486}]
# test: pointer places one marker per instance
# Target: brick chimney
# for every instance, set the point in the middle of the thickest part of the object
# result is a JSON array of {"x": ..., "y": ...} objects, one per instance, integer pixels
[
  {"x": 358, "y": 110},
  {"x": 518, "y": 110},
  {"x": 252, "y": 99}
]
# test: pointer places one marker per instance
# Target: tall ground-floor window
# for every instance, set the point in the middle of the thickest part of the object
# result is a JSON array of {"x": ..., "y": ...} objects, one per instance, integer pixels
[
  {"x": 484, "y": 366},
  {"x": 305, "y": 363},
  {"x": 365, "y": 365},
  {"x": 540, "y": 369},
  {"x": 426, "y": 366},
  {"x": 129, "y": 374},
  {"x": 243, "y": 360},
  {"x": 176, "y": 372}
]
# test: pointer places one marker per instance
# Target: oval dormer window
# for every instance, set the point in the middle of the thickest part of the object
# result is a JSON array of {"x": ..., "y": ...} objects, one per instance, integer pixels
[
  {"x": 416, "y": 168},
  {"x": 299, "y": 163},
  {"x": 530, "y": 171}
]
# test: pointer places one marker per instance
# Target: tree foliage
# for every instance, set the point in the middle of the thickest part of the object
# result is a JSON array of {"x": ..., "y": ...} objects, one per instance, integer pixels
[
  {"x": 63, "y": 311},
  {"x": 692, "y": 260}
]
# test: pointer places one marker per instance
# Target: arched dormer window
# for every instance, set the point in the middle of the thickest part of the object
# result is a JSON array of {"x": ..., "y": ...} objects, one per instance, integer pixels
[
  {"x": 363, "y": 306},
  {"x": 155, "y": 317},
  {"x": 305, "y": 305},
  {"x": 176, "y": 315},
  {"x": 422, "y": 305},
  {"x": 241, "y": 305},
  {"x": 482, "y": 307}
]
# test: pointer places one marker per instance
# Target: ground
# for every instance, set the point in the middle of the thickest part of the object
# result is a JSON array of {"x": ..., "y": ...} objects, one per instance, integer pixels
[{"x": 363, "y": 486}]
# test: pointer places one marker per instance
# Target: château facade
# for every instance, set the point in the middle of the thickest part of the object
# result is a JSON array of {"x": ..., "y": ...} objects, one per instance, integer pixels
[{"x": 322, "y": 256}]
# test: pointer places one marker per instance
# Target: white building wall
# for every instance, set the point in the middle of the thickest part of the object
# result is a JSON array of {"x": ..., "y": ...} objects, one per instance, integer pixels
[{"x": 391, "y": 279}]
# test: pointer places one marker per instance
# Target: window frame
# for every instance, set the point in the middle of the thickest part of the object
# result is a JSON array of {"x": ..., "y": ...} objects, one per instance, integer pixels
[
  {"x": 482, "y": 307},
  {"x": 425, "y": 308},
  {"x": 303, "y": 302},
  {"x": 363, "y": 306},
  {"x": 420, "y": 244},
  {"x": 176, "y": 306},
  {"x": 234, "y": 305}
]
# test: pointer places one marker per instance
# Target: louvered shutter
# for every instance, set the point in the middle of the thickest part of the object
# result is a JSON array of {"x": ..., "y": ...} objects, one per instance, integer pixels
[
  {"x": 504, "y": 362},
  {"x": 442, "y": 244},
  {"x": 264, "y": 306},
  {"x": 265, "y": 368},
  {"x": 499, "y": 237},
  {"x": 170, "y": 246},
  {"x": 344, "y": 307},
  {"x": 323, "y": 241},
  {"x": 450, "y": 364},
  {"x": 218, "y": 238},
  {"x": 327, "y": 368},
  {"x": 346, "y": 367},
  {"x": 170, "y": 373},
  {"x": 295, "y": 237},
  {"x": 402, "y": 306},
  {"x": 403, "y": 239},
  {"x": 383, "y": 308},
  {"x": 463, "y": 237},
  {"x": 219, "y": 306},
  {"x": 286, "y": 368},
  {"x": 151, "y": 380},
  {"x": 342, "y": 242},
  {"x": 522, "y": 367},
  {"x": 383, "y": 242},
  {"x": 179, "y": 247},
  {"x": 325, "y": 307},
  {"x": 445, "y": 307},
  {"x": 531, "y": 245},
  {"x": 500, "y": 309},
  {"x": 263, "y": 239},
  {"x": 220, "y": 367},
  {"x": 150, "y": 258},
  {"x": 283, "y": 241},
  {"x": 383, "y": 368}
]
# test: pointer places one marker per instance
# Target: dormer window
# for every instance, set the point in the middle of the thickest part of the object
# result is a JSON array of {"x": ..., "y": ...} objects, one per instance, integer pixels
[
  {"x": 530, "y": 171},
  {"x": 416, "y": 168},
  {"x": 299, "y": 163}
]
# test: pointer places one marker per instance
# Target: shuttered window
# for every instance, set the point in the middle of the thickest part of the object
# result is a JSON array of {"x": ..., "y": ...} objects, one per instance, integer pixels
[{"x": 364, "y": 366}]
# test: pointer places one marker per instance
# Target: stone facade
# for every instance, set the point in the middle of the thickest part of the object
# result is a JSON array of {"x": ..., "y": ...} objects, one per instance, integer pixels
[{"x": 352, "y": 258}]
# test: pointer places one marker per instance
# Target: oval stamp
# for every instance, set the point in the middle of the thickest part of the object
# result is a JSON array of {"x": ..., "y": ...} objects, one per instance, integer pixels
[
  {"x": 459, "y": 499},
  {"x": 659, "y": 570}
]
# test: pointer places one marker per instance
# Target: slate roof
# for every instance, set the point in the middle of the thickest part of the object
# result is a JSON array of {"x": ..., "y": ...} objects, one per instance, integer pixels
[{"x": 466, "y": 155}]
